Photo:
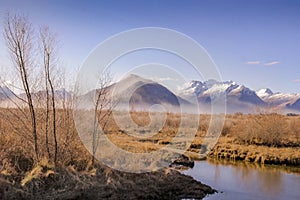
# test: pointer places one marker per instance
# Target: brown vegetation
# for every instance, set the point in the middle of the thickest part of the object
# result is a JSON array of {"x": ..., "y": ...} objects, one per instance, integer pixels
[{"x": 269, "y": 134}]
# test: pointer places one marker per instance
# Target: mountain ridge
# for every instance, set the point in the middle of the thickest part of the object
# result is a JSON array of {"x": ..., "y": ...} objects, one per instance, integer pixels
[
  {"x": 142, "y": 93},
  {"x": 240, "y": 98}
]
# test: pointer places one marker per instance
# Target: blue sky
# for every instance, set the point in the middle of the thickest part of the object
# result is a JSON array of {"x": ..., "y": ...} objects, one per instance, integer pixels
[{"x": 256, "y": 43}]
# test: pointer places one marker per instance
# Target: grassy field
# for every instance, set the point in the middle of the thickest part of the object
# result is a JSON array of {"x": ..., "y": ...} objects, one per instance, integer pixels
[{"x": 265, "y": 138}]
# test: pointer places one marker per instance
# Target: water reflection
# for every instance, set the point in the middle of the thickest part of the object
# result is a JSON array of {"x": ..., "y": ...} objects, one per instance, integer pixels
[{"x": 242, "y": 180}]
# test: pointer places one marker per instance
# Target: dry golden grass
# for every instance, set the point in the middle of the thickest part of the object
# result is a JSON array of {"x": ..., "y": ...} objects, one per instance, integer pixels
[
  {"x": 17, "y": 153},
  {"x": 267, "y": 132}
]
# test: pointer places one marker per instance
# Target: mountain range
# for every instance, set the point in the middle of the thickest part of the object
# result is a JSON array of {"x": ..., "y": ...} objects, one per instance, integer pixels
[
  {"x": 240, "y": 98},
  {"x": 8, "y": 99},
  {"x": 280, "y": 100},
  {"x": 135, "y": 92}
]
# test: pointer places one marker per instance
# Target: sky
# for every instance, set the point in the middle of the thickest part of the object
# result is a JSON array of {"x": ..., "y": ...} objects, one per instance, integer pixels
[{"x": 255, "y": 43}]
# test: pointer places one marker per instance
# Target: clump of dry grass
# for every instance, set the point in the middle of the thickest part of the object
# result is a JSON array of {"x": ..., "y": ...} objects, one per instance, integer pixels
[{"x": 43, "y": 169}]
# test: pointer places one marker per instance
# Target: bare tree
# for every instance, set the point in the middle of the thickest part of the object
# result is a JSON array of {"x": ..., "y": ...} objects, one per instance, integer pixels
[
  {"x": 102, "y": 109},
  {"x": 48, "y": 46},
  {"x": 18, "y": 34},
  {"x": 47, "y": 120}
]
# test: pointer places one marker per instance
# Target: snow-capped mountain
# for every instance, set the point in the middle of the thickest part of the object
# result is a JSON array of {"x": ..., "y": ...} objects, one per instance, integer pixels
[
  {"x": 280, "y": 100},
  {"x": 142, "y": 93},
  {"x": 238, "y": 97},
  {"x": 264, "y": 92}
]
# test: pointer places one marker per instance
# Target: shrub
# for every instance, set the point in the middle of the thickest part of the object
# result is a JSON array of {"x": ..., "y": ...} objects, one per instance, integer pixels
[
  {"x": 295, "y": 128},
  {"x": 264, "y": 129}
]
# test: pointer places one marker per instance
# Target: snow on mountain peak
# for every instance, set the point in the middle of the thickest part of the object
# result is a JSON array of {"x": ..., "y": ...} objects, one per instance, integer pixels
[
  {"x": 264, "y": 92},
  {"x": 220, "y": 87},
  {"x": 208, "y": 87}
]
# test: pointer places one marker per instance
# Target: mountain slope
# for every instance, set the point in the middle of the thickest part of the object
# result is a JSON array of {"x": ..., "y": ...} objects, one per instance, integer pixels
[
  {"x": 139, "y": 94},
  {"x": 136, "y": 93},
  {"x": 5, "y": 93}
]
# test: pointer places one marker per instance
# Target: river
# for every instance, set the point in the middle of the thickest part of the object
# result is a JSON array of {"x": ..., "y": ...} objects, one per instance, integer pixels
[{"x": 246, "y": 181}]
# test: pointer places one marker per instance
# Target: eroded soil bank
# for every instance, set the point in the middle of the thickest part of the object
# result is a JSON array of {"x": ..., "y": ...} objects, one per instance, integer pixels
[
  {"x": 102, "y": 183},
  {"x": 258, "y": 154}
]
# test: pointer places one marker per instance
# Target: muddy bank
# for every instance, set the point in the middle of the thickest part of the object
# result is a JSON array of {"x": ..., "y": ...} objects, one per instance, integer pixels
[
  {"x": 257, "y": 154},
  {"x": 182, "y": 163},
  {"x": 103, "y": 183}
]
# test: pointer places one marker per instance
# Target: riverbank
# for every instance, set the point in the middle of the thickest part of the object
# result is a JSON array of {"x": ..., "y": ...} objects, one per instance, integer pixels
[
  {"x": 257, "y": 154},
  {"x": 44, "y": 182},
  {"x": 227, "y": 149}
]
